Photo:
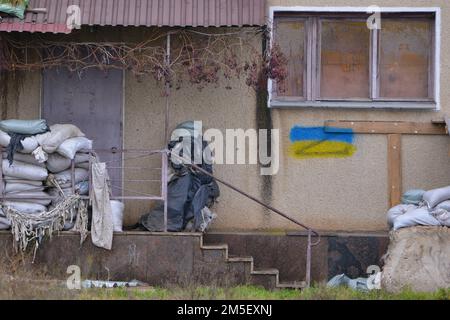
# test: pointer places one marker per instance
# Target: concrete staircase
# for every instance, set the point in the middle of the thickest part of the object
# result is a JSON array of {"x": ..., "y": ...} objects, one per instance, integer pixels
[{"x": 243, "y": 271}]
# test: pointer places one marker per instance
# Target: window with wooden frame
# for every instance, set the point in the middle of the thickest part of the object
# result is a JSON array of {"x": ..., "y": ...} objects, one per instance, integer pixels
[{"x": 335, "y": 59}]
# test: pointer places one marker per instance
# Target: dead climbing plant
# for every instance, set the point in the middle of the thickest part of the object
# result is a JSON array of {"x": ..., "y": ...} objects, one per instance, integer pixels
[{"x": 199, "y": 58}]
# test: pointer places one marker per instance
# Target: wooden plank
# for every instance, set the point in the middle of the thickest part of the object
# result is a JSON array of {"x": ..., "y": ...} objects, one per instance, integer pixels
[
  {"x": 388, "y": 127},
  {"x": 394, "y": 169}
]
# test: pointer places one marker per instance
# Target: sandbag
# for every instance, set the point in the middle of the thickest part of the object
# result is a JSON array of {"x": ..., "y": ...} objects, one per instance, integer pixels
[
  {"x": 57, "y": 163},
  {"x": 29, "y": 145},
  {"x": 66, "y": 176},
  {"x": 59, "y": 133},
  {"x": 31, "y": 127},
  {"x": 27, "y": 158},
  {"x": 57, "y": 196},
  {"x": 32, "y": 195},
  {"x": 414, "y": 196},
  {"x": 82, "y": 157},
  {"x": 40, "y": 155},
  {"x": 5, "y": 224},
  {"x": 71, "y": 146},
  {"x": 444, "y": 205},
  {"x": 18, "y": 187},
  {"x": 397, "y": 211},
  {"x": 4, "y": 139},
  {"x": 25, "y": 207},
  {"x": 24, "y": 170},
  {"x": 433, "y": 197},
  {"x": 442, "y": 215},
  {"x": 9, "y": 179},
  {"x": 83, "y": 165},
  {"x": 417, "y": 217},
  {"x": 117, "y": 215}
]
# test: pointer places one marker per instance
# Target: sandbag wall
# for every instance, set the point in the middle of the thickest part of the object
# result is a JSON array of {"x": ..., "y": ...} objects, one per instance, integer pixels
[{"x": 41, "y": 155}]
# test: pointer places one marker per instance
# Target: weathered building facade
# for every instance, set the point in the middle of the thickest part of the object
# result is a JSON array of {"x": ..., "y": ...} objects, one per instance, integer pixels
[{"x": 328, "y": 192}]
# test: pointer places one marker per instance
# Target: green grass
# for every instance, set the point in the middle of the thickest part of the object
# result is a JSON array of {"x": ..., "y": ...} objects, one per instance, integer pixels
[{"x": 255, "y": 293}]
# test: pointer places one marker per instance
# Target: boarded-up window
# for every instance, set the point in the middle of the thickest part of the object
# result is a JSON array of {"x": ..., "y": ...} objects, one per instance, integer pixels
[
  {"x": 405, "y": 53},
  {"x": 345, "y": 53},
  {"x": 291, "y": 38},
  {"x": 340, "y": 57}
]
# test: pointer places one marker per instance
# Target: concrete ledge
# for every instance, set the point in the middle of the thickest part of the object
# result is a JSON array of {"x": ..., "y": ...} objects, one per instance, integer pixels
[{"x": 178, "y": 258}]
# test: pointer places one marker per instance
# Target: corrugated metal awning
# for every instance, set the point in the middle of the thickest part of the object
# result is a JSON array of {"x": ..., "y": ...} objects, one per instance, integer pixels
[{"x": 148, "y": 13}]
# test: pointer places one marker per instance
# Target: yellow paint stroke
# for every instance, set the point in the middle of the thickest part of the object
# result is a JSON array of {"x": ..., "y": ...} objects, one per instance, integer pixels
[{"x": 321, "y": 149}]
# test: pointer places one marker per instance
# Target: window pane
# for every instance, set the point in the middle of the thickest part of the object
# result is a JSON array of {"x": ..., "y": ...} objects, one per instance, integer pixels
[
  {"x": 290, "y": 36},
  {"x": 404, "y": 58},
  {"x": 345, "y": 52}
]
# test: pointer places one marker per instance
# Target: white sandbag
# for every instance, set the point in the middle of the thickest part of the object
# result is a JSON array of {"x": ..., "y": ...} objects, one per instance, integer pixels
[
  {"x": 417, "y": 217},
  {"x": 433, "y": 197},
  {"x": 66, "y": 176},
  {"x": 29, "y": 145},
  {"x": 71, "y": 146},
  {"x": 27, "y": 158},
  {"x": 117, "y": 215},
  {"x": 442, "y": 215},
  {"x": 83, "y": 165},
  {"x": 25, "y": 207},
  {"x": 4, "y": 139},
  {"x": 33, "y": 195},
  {"x": 24, "y": 170},
  {"x": 57, "y": 163},
  {"x": 397, "y": 211},
  {"x": 444, "y": 205},
  {"x": 59, "y": 133},
  {"x": 9, "y": 179},
  {"x": 18, "y": 187},
  {"x": 82, "y": 157},
  {"x": 40, "y": 155}
]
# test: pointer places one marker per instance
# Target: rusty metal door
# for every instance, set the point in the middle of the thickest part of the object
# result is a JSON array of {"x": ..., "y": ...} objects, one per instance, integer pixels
[{"x": 93, "y": 101}]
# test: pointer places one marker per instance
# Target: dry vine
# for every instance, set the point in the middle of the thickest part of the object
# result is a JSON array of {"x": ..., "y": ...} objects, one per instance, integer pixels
[{"x": 198, "y": 57}]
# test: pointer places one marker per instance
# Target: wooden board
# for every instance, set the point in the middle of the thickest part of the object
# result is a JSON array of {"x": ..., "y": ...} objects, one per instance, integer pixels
[
  {"x": 388, "y": 127},
  {"x": 394, "y": 169}
]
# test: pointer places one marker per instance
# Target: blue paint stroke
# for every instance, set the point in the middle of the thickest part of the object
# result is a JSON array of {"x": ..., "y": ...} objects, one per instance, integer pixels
[{"x": 299, "y": 133}]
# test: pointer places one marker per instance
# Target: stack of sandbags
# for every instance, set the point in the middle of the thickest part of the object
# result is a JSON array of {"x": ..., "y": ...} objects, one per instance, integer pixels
[
  {"x": 421, "y": 208},
  {"x": 23, "y": 179},
  {"x": 45, "y": 152},
  {"x": 60, "y": 146},
  {"x": 46, "y": 156}
]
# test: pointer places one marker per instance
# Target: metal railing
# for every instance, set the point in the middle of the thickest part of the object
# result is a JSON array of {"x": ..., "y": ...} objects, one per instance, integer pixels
[
  {"x": 163, "y": 196},
  {"x": 310, "y": 231}
]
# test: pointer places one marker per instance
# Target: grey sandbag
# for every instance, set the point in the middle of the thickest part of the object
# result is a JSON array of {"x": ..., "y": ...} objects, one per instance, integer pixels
[
  {"x": 414, "y": 196},
  {"x": 444, "y": 205},
  {"x": 398, "y": 211},
  {"x": 30, "y": 127},
  {"x": 433, "y": 197},
  {"x": 343, "y": 280},
  {"x": 418, "y": 217}
]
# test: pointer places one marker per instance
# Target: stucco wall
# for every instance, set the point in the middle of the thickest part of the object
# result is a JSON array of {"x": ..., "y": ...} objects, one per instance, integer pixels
[
  {"x": 352, "y": 193},
  {"x": 330, "y": 194}
]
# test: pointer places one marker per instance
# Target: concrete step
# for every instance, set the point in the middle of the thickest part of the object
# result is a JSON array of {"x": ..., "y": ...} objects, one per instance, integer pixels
[
  {"x": 267, "y": 278},
  {"x": 241, "y": 269},
  {"x": 292, "y": 285}
]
